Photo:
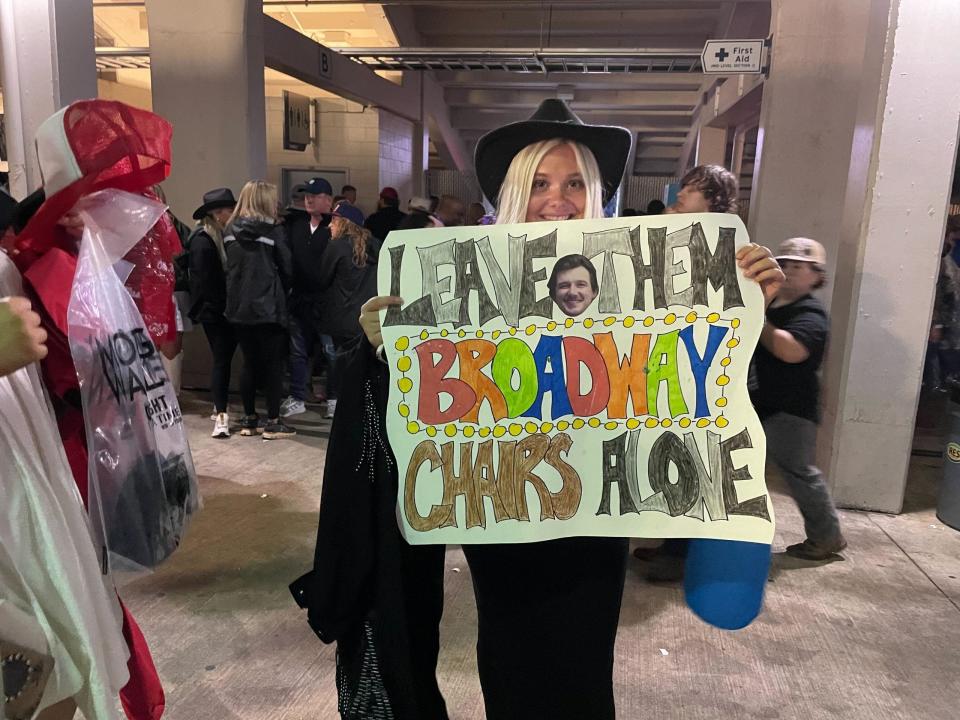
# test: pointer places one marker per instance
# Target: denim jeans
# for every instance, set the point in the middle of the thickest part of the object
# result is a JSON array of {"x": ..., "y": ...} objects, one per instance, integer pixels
[
  {"x": 792, "y": 445},
  {"x": 303, "y": 338}
]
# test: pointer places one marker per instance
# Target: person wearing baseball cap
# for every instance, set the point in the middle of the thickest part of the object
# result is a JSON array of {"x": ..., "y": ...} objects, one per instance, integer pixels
[
  {"x": 309, "y": 235},
  {"x": 388, "y": 215},
  {"x": 787, "y": 392}
]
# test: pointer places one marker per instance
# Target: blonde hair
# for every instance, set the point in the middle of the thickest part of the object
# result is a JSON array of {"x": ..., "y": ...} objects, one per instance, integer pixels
[
  {"x": 258, "y": 200},
  {"x": 215, "y": 231},
  {"x": 359, "y": 236},
  {"x": 515, "y": 191}
]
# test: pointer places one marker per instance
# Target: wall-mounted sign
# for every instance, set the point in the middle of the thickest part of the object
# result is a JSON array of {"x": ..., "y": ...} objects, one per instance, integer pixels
[
  {"x": 325, "y": 70},
  {"x": 732, "y": 57},
  {"x": 296, "y": 121}
]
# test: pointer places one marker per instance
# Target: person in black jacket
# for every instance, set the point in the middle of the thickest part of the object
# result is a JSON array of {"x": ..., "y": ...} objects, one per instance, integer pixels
[
  {"x": 388, "y": 215},
  {"x": 208, "y": 295},
  {"x": 547, "y": 612},
  {"x": 259, "y": 275},
  {"x": 348, "y": 276},
  {"x": 309, "y": 234}
]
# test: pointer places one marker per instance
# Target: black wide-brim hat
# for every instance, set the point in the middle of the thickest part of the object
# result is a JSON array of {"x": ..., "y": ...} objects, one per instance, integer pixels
[
  {"x": 213, "y": 199},
  {"x": 609, "y": 144}
]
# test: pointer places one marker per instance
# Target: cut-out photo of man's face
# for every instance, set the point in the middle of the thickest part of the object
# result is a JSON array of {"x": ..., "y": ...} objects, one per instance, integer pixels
[{"x": 573, "y": 284}]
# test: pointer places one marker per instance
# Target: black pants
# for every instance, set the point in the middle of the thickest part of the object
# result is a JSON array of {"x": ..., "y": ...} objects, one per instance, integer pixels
[
  {"x": 264, "y": 351},
  {"x": 223, "y": 344},
  {"x": 336, "y": 348},
  {"x": 547, "y": 625}
]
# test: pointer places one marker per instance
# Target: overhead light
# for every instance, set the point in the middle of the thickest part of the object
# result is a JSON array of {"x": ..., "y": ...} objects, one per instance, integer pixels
[{"x": 565, "y": 92}]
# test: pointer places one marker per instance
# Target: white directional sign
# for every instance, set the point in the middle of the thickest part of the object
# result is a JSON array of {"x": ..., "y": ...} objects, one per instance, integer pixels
[{"x": 732, "y": 57}]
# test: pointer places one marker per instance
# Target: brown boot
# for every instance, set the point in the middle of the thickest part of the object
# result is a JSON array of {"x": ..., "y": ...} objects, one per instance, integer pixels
[{"x": 810, "y": 550}]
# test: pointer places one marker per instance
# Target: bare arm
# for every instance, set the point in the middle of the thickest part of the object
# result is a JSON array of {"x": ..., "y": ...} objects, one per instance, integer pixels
[{"x": 782, "y": 345}]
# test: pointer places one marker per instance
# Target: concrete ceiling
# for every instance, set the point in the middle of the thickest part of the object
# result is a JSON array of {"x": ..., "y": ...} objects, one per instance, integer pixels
[{"x": 659, "y": 108}]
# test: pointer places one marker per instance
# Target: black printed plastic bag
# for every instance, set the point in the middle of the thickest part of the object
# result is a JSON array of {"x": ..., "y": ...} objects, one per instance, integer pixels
[{"x": 142, "y": 483}]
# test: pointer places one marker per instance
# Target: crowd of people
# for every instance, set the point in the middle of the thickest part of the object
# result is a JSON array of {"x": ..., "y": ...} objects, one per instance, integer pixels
[
  {"x": 288, "y": 284},
  {"x": 548, "y": 168},
  {"x": 285, "y": 285}
]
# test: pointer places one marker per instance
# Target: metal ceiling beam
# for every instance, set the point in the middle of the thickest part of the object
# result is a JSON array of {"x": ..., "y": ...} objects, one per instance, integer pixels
[
  {"x": 530, "y": 60},
  {"x": 493, "y": 80},
  {"x": 467, "y": 119},
  {"x": 596, "y": 99},
  {"x": 545, "y": 52},
  {"x": 679, "y": 129},
  {"x": 661, "y": 139}
]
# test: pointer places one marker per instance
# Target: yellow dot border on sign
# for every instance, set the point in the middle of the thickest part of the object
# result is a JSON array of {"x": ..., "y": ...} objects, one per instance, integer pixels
[
  {"x": 530, "y": 427},
  {"x": 628, "y": 321},
  {"x": 404, "y": 363}
]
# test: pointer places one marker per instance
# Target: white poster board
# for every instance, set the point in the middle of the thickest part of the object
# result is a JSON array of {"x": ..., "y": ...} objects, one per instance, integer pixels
[{"x": 525, "y": 407}]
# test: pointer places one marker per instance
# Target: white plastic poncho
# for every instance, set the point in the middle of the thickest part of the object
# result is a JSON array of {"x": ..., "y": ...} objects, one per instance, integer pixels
[{"x": 49, "y": 572}]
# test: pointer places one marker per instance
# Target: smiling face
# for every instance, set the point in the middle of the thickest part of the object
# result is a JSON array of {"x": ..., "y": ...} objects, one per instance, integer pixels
[
  {"x": 558, "y": 192},
  {"x": 574, "y": 291}
]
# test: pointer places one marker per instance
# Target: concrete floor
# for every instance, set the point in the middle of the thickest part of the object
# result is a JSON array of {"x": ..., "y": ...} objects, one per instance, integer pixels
[{"x": 872, "y": 637}]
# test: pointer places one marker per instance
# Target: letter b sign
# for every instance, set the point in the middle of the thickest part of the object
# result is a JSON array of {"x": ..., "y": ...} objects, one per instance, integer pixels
[{"x": 325, "y": 63}]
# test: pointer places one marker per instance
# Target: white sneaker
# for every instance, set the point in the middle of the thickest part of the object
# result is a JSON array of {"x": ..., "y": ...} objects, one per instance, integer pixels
[
  {"x": 221, "y": 428},
  {"x": 292, "y": 406},
  {"x": 331, "y": 407},
  {"x": 213, "y": 412}
]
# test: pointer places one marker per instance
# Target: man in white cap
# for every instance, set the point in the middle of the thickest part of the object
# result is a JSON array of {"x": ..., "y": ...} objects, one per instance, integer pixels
[{"x": 787, "y": 392}]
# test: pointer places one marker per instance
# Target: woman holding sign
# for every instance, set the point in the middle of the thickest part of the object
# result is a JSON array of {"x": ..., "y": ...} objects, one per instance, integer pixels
[{"x": 548, "y": 611}]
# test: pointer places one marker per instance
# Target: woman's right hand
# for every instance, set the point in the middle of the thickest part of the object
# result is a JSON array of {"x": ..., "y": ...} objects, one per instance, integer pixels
[{"x": 370, "y": 316}]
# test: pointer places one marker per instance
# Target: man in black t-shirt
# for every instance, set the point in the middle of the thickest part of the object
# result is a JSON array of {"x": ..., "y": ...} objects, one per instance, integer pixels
[{"x": 787, "y": 392}]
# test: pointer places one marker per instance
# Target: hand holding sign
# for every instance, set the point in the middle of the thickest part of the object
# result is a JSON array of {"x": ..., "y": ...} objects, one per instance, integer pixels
[
  {"x": 370, "y": 316},
  {"x": 758, "y": 264}
]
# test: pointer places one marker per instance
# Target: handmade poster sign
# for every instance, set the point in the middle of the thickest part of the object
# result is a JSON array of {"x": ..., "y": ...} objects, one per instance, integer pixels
[{"x": 574, "y": 378}]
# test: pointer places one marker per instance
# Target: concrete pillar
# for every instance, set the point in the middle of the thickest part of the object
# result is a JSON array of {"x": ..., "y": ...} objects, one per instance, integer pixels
[
  {"x": 48, "y": 62},
  {"x": 893, "y": 216},
  {"x": 711, "y": 146},
  {"x": 856, "y": 147},
  {"x": 421, "y": 158},
  {"x": 206, "y": 70},
  {"x": 807, "y": 121},
  {"x": 739, "y": 140},
  {"x": 396, "y": 156}
]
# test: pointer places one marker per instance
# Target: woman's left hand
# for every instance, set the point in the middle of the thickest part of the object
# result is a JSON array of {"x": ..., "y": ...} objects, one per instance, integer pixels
[{"x": 759, "y": 265}]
